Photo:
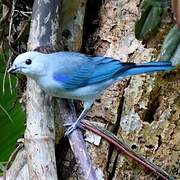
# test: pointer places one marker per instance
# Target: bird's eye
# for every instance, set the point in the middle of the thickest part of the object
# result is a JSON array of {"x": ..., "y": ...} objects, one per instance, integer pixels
[{"x": 28, "y": 61}]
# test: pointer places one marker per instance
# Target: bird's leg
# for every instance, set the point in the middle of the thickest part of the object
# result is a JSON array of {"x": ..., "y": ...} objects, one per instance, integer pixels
[{"x": 76, "y": 124}]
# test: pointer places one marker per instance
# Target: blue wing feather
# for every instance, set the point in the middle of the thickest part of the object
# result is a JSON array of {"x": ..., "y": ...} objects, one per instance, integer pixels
[
  {"x": 106, "y": 68},
  {"x": 60, "y": 77},
  {"x": 77, "y": 70},
  {"x": 91, "y": 71},
  {"x": 78, "y": 78}
]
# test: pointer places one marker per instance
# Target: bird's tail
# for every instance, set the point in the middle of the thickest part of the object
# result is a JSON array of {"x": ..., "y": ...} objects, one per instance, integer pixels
[{"x": 148, "y": 68}]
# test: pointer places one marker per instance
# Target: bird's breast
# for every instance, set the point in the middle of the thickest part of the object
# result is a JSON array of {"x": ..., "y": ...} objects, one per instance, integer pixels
[{"x": 56, "y": 89}]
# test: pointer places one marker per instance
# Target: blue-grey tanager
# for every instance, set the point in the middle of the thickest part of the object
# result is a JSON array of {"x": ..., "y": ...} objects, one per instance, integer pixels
[{"x": 74, "y": 75}]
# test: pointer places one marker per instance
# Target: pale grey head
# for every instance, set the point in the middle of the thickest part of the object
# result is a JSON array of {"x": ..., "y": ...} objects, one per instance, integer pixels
[{"x": 29, "y": 64}]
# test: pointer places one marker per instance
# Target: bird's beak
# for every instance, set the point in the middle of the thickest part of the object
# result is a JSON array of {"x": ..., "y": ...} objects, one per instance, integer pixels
[{"x": 12, "y": 69}]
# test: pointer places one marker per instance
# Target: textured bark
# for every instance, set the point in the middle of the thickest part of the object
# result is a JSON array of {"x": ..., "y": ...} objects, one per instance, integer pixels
[
  {"x": 72, "y": 20},
  {"x": 40, "y": 130},
  {"x": 144, "y": 109}
]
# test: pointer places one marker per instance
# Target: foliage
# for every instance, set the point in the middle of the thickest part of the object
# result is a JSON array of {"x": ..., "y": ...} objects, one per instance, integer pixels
[
  {"x": 171, "y": 46},
  {"x": 150, "y": 19},
  {"x": 1, "y": 168},
  {"x": 11, "y": 115},
  {"x": 14, "y": 30},
  {"x": 149, "y": 23}
]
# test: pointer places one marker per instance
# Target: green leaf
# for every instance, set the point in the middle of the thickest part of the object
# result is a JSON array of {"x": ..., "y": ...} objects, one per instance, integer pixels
[
  {"x": 150, "y": 19},
  {"x": 1, "y": 166},
  {"x": 171, "y": 45},
  {"x": 10, "y": 130},
  {"x": 154, "y": 3}
]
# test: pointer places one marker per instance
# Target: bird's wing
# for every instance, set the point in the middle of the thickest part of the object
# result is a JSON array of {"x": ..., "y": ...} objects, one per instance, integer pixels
[
  {"x": 76, "y": 77},
  {"x": 73, "y": 71},
  {"x": 89, "y": 70},
  {"x": 106, "y": 68}
]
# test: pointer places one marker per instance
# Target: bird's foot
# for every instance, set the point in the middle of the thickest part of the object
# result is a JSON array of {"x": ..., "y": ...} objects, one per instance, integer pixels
[{"x": 72, "y": 127}]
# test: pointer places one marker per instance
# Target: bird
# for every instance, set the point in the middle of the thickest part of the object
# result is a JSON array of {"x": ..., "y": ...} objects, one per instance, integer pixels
[{"x": 77, "y": 76}]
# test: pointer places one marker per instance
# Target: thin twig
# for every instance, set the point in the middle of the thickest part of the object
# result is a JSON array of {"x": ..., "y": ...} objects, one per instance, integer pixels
[
  {"x": 11, "y": 158},
  {"x": 122, "y": 147},
  {"x": 4, "y": 77},
  {"x": 18, "y": 168},
  {"x": 11, "y": 20},
  {"x": 4, "y": 80},
  {"x": 24, "y": 13},
  {"x": 4, "y": 18},
  {"x": 10, "y": 83},
  {"x": 4, "y": 110}
]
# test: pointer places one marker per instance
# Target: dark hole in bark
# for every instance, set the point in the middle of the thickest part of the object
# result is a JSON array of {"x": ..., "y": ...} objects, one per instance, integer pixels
[
  {"x": 149, "y": 115},
  {"x": 134, "y": 146},
  {"x": 150, "y": 146},
  {"x": 66, "y": 33},
  {"x": 91, "y": 22}
]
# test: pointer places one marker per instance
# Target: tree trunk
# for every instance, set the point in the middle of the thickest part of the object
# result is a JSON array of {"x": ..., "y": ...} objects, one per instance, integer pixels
[{"x": 143, "y": 109}]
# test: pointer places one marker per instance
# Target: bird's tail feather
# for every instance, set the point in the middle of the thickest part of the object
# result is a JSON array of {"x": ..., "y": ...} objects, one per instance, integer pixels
[{"x": 147, "y": 68}]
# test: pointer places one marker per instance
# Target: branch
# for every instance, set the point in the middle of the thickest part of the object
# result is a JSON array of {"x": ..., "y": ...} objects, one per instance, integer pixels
[
  {"x": 76, "y": 141},
  {"x": 40, "y": 131},
  {"x": 122, "y": 147}
]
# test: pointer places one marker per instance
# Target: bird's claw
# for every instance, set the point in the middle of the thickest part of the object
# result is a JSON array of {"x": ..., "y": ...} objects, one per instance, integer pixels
[{"x": 72, "y": 127}]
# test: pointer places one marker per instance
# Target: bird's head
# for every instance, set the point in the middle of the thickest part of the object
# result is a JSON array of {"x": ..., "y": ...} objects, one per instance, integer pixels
[{"x": 30, "y": 64}]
